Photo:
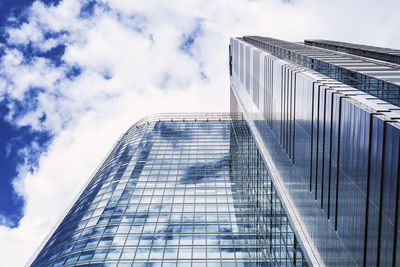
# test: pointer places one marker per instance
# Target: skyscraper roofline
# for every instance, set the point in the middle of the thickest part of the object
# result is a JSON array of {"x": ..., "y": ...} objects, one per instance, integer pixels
[{"x": 375, "y": 77}]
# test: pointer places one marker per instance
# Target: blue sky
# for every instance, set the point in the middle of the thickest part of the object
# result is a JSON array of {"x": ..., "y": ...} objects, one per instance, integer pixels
[
  {"x": 10, "y": 203},
  {"x": 75, "y": 74},
  {"x": 14, "y": 138},
  {"x": 12, "y": 7}
]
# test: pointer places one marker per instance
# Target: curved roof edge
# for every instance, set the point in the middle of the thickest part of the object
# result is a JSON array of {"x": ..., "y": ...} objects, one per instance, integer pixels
[{"x": 183, "y": 116}]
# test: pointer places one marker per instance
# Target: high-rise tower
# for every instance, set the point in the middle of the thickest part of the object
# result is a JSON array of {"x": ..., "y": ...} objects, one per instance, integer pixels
[
  {"x": 175, "y": 190},
  {"x": 323, "y": 121},
  {"x": 303, "y": 171}
]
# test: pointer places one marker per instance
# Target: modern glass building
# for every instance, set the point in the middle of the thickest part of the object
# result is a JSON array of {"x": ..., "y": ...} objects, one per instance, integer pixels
[
  {"x": 178, "y": 190},
  {"x": 332, "y": 141},
  {"x": 303, "y": 171}
]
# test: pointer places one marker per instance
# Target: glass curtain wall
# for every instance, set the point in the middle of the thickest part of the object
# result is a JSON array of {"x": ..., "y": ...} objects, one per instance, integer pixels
[
  {"x": 175, "y": 191},
  {"x": 337, "y": 150}
]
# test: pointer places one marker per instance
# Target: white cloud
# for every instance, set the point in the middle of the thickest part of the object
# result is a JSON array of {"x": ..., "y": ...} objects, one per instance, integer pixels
[
  {"x": 136, "y": 43},
  {"x": 4, "y": 220}
]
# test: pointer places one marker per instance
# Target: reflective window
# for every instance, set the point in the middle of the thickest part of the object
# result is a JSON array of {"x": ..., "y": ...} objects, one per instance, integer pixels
[{"x": 178, "y": 192}]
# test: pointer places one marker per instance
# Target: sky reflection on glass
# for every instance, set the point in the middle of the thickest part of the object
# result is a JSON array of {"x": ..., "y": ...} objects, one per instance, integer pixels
[{"x": 174, "y": 192}]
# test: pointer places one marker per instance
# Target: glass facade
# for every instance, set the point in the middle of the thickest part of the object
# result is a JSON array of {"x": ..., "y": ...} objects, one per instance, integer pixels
[
  {"x": 179, "y": 190},
  {"x": 258, "y": 202},
  {"x": 380, "y": 53},
  {"x": 380, "y": 79},
  {"x": 335, "y": 151}
]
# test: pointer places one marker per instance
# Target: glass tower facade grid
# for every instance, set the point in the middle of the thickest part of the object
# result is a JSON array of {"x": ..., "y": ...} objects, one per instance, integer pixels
[{"x": 192, "y": 191}]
